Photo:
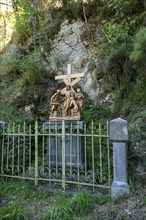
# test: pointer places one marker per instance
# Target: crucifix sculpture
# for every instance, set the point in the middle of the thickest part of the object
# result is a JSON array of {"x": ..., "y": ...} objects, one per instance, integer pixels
[
  {"x": 67, "y": 78},
  {"x": 67, "y": 104}
]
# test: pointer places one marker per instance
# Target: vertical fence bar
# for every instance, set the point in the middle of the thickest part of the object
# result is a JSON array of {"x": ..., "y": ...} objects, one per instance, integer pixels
[
  {"x": 85, "y": 149},
  {"x": 30, "y": 145},
  {"x": 43, "y": 150},
  {"x": 36, "y": 153},
  {"x": 63, "y": 155},
  {"x": 18, "y": 150},
  {"x": 8, "y": 145},
  {"x": 71, "y": 149},
  {"x": 78, "y": 155},
  {"x": 108, "y": 153},
  {"x": 2, "y": 149},
  {"x": 24, "y": 130},
  {"x": 92, "y": 142},
  {"x": 56, "y": 143},
  {"x": 49, "y": 142},
  {"x": 13, "y": 146},
  {"x": 1, "y": 145},
  {"x": 100, "y": 153}
]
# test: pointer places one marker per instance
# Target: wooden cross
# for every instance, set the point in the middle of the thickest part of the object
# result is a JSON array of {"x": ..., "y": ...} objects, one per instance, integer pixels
[{"x": 67, "y": 78}]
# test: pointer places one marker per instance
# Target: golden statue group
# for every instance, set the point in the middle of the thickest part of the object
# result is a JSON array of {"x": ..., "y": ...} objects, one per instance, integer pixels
[{"x": 67, "y": 104}]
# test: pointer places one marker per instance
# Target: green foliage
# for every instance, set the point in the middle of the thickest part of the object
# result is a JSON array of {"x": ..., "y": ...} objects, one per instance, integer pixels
[
  {"x": 17, "y": 190},
  {"x": 32, "y": 71},
  {"x": 117, "y": 33},
  {"x": 139, "y": 48},
  {"x": 112, "y": 212},
  {"x": 25, "y": 19},
  {"x": 143, "y": 199},
  {"x": 23, "y": 76},
  {"x": 138, "y": 134},
  {"x": 121, "y": 8},
  {"x": 20, "y": 192},
  {"x": 115, "y": 68},
  {"x": 82, "y": 202},
  {"x": 94, "y": 112},
  {"x": 102, "y": 199},
  {"x": 71, "y": 9},
  {"x": 40, "y": 194},
  {"x": 61, "y": 209},
  {"x": 119, "y": 199},
  {"x": 65, "y": 208},
  {"x": 78, "y": 10},
  {"x": 115, "y": 49},
  {"x": 138, "y": 56},
  {"x": 23, "y": 79},
  {"x": 139, "y": 92},
  {"x": 14, "y": 212},
  {"x": 9, "y": 62},
  {"x": 121, "y": 19}
]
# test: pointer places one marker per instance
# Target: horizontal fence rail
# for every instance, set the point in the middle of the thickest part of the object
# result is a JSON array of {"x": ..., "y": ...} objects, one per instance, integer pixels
[{"x": 75, "y": 153}]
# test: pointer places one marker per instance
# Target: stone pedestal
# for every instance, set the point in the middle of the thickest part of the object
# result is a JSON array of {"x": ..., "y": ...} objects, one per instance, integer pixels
[{"x": 69, "y": 137}]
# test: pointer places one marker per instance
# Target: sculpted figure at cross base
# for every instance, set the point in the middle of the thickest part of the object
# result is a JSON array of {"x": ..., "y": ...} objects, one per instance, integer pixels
[
  {"x": 67, "y": 104},
  {"x": 55, "y": 104}
]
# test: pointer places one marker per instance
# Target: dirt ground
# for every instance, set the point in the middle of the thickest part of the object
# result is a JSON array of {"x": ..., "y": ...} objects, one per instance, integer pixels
[{"x": 132, "y": 206}]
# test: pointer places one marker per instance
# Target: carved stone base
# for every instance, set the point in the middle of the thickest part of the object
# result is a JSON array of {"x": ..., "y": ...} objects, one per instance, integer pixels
[{"x": 75, "y": 118}]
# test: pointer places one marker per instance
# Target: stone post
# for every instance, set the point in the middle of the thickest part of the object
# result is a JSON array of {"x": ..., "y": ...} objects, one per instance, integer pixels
[
  {"x": 1, "y": 128},
  {"x": 119, "y": 136}
]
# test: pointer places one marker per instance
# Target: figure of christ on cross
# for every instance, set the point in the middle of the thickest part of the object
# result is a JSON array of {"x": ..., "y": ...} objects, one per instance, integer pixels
[{"x": 70, "y": 107}]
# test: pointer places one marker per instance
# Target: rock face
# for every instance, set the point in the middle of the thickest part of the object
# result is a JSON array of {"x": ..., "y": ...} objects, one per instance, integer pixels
[{"x": 68, "y": 47}]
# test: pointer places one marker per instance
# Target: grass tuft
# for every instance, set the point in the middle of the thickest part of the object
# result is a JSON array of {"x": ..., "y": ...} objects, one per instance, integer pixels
[
  {"x": 14, "y": 212},
  {"x": 102, "y": 199},
  {"x": 61, "y": 210},
  {"x": 82, "y": 202}
]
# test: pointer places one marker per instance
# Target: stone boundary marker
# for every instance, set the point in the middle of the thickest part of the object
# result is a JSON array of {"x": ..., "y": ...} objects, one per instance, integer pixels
[{"x": 119, "y": 136}]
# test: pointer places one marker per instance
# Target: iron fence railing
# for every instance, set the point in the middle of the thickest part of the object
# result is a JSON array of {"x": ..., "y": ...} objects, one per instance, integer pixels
[{"x": 66, "y": 154}]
